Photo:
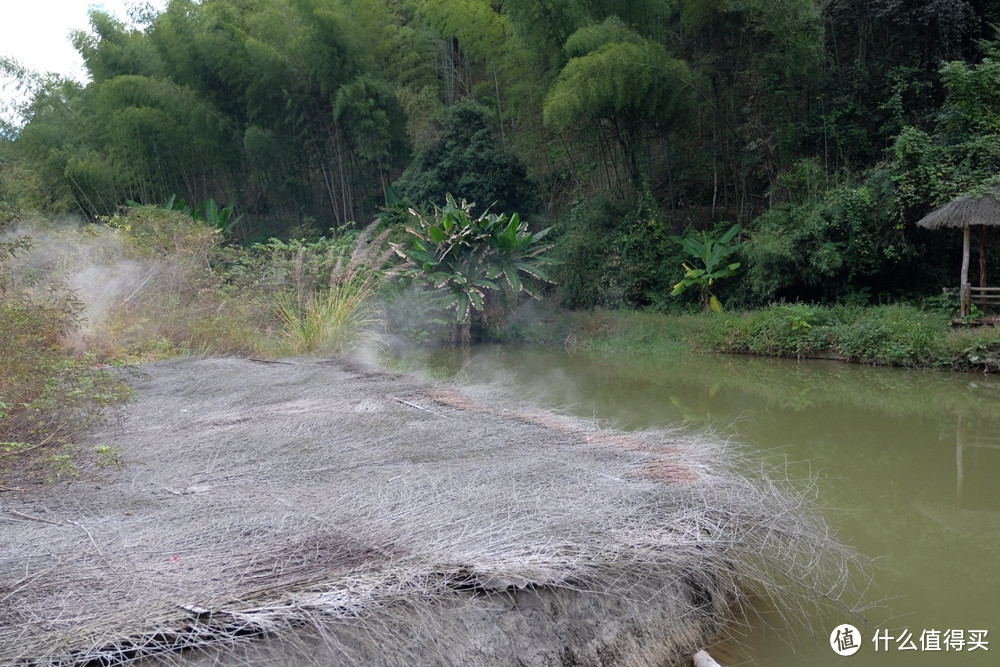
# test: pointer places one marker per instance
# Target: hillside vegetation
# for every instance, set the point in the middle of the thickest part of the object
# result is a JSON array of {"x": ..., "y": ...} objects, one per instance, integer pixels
[{"x": 824, "y": 128}]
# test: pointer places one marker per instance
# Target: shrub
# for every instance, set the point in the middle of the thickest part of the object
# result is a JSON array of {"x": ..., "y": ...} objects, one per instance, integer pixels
[
  {"x": 470, "y": 161},
  {"x": 47, "y": 395},
  {"x": 615, "y": 254},
  {"x": 899, "y": 334},
  {"x": 827, "y": 247},
  {"x": 163, "y": 297}
]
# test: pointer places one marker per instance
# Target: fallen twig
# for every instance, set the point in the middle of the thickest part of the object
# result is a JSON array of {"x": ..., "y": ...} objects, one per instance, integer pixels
[
  {"x": 414, "y": 405},
  {"x": 35, "y": 518},
  {"x": 36, "y": 446},
  {"x": 91, "y": 538}
]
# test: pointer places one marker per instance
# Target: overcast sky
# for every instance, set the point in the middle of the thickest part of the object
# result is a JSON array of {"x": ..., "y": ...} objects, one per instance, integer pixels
[{"x": 36, "y": 32}]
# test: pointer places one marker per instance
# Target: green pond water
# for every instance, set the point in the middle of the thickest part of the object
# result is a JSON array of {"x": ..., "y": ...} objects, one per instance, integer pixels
[{"x": 906, "y": 465}]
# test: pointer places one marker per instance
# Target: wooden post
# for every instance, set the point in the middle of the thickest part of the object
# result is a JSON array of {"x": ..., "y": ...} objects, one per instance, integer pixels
[
  {"x": 982, "y": 256},
  {"x": 966, "y": 238}
]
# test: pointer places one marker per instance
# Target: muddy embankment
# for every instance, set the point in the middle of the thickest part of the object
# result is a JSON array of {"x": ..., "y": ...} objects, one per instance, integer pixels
[{"x": 325, "y": 512}]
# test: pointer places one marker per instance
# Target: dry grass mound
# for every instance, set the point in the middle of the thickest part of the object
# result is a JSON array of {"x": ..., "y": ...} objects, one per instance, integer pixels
[{"x": 325, "y": 513}]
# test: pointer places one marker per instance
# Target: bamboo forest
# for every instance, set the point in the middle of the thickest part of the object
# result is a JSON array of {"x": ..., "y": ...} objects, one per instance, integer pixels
[{"x": 824, "y": 128}]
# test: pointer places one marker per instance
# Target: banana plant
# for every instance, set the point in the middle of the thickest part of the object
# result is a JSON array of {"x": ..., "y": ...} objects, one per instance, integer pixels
[
  {"x": 478, "y": 261},
  {"x": 220, "y": 218},
  {"x": 712, "y": 253},
  {"x": 515, "y": 250}
]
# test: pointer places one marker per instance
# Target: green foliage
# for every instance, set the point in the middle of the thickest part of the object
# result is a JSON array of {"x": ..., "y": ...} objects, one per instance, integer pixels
[
  {"x": 772, "y": 114},
  {"x": 615, "y": 254},
  {"x": 111, "y": 49},
  {"x": 109, "y": 457},
  {"x": 369, "y": 107},
  {"x": 616, "y": 75},
  {"x": 155, "y": 293},
  {"x": 826, "y": 248},
  {"x": 891, "y": 79},
  {"x": 308, "y": 265},
  {"x": 173, "y": 288},
  {"x": 482, "y": 31},
  {"x": 546, "y": 26},
  {"x": 779, "y": 330},
  {"x": 331, "y": 321},
  {"x": 321, "y": 291},
  {"x": 416, "y": 315},
  {"x": 220, "y": 218},
  {"x": 634, "y": 332},
  {"x": 158, "y": 138},
  {"x": 9, "y": 248},
  {"x": 712, "y": 254},
  {"x": 63, "y": 465},
  {"x": 962, "y": 152},
  {"x": 468, "y": 158},
  {"x": 335, "y": 317},
  {"x": 616, "y": 78},
  {"x": 856, "y": 237},
  {"x": 209, "y": 212},
  {"x": 268, "y": 104},
  {"x": 898, "y": 335},
  {"x": 590, "y": 273},
  {"x": 482, "y": 263}
]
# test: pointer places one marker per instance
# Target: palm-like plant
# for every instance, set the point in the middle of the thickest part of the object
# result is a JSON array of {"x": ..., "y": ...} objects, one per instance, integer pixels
[
  {"x": 712, "y": 253},
  {"x": 481, "y": 262}
]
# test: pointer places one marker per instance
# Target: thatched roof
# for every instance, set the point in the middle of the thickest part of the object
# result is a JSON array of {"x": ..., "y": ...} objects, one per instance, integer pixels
[{"x": 969, "y": 210}]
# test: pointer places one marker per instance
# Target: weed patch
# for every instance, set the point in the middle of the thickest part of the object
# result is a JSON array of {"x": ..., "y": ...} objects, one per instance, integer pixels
[{"x": 47, "y": 395}]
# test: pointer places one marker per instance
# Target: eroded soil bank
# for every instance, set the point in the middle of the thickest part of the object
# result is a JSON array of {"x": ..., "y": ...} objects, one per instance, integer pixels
[{"x": 327, "y": 512}]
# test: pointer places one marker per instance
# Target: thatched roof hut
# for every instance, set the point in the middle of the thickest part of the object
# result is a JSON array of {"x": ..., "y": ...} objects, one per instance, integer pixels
[
  {"x": 967, "y": 211},
  {"x": 980, "y": 211}
]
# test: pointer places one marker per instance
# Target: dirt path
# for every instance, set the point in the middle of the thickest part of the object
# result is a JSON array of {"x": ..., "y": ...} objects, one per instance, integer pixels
[{"x": 323, "y": 512}]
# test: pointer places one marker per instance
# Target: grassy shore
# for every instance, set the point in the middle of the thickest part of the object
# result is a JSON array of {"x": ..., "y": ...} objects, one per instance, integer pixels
[{"x": 893, "y": 335}]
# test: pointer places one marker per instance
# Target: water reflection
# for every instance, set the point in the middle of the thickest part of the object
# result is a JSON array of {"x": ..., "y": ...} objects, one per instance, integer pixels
[
  {"x": 905, "y": 462},
  {"x": 977, "y": 454}
]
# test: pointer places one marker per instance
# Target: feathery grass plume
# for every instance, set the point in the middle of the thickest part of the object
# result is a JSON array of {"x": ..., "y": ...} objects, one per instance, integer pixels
[
  {"x": 332, "y": 321},
  {"x": 335, "y": 319}
]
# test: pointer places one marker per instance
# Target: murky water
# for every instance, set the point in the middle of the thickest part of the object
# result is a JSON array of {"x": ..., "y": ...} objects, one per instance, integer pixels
[{"x": 907, "y": 465}]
